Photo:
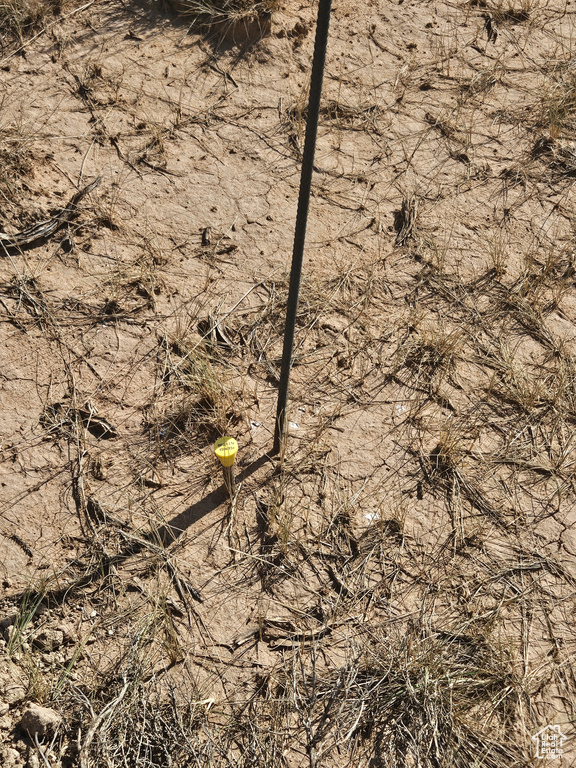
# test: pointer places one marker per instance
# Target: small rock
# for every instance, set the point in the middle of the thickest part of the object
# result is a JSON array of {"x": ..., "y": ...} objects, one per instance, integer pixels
[
  {"x": 3, "y": 708},
  {"x": 7, "y": 621},
  {"x": 69, "y": 632},
  {"x": 14, "y": 693},
  {"x": 37, "y": 719},
  {"x": 49, "y": 659},
  {"x": 33, "y": 761},
  {"x": 10, "y": 755},
  {"x": 8, "y": 631},
  {"x": 5, "y": 723},
  {"x": 9, "y": 672},
  {"x": 49, "y": 639},
  {"x": 207, "y": 236}
]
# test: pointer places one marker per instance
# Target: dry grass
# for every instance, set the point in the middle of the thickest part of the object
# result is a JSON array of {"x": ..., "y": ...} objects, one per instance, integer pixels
[
  {"x": 431, "y": 698},
  {"x": 236, "y": 22},
  {"x": 16, "y": 160},
  {"x": 20, "y": 18},
  {"x": 228, "y": 11}
]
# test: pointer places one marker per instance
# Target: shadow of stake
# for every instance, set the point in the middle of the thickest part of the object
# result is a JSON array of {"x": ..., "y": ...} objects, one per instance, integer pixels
[{"x": 156, "y": 541}]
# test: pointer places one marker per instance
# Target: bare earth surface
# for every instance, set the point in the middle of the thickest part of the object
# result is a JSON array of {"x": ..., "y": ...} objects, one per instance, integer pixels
[{"x": 398, "y": 588}]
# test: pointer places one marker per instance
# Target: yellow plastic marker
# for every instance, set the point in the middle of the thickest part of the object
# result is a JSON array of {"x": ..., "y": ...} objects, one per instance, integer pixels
[{"x": 226, "y": 449}]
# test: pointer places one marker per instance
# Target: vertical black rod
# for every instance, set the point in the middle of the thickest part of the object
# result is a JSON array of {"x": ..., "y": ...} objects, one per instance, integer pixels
[{"x": 321, "y": 41}]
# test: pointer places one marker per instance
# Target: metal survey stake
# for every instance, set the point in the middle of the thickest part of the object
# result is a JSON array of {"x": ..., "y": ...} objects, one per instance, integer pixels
[
  {"x": 226, "y": 449},
  {"x": 322, "y": 25}
]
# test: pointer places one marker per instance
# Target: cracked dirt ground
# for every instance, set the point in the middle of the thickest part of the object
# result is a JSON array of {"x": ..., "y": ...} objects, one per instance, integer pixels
[{"x": 398, "y": 588}]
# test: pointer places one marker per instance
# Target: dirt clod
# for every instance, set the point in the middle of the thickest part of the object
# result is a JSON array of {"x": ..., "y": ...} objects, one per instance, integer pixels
[
  {"x": 39, "y": 720},
  {"x": 49, "y": 639}
]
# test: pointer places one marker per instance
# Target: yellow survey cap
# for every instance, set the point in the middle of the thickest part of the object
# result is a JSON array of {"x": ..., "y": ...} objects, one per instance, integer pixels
[{"x": 226, "y": 449}]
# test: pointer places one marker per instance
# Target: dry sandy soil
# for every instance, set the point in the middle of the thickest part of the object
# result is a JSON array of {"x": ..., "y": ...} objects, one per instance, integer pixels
[{"x": 398, "y": 587}]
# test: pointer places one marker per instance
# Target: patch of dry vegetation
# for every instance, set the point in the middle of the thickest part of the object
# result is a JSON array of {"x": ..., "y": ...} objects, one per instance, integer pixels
[
  {"x": 214, "y": 11},
  {"x": 21, "y": 19},
  {"x": 16, "y": 162},
  {"x": 228, "y": 21}
]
